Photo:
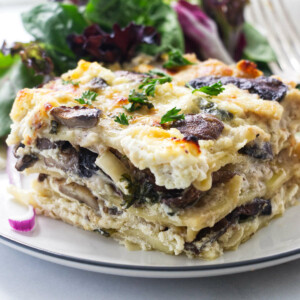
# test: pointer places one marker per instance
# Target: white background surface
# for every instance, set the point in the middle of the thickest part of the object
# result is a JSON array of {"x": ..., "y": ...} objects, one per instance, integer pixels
[{"x": 25, "y": 277}]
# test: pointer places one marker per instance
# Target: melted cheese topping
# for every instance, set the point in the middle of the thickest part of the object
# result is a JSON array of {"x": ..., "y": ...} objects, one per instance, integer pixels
[{"x": 174, "y": 162}]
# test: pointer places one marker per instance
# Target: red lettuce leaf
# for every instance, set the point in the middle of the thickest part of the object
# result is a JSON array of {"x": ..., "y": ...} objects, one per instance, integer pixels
[{"x": 119, "y": 46}]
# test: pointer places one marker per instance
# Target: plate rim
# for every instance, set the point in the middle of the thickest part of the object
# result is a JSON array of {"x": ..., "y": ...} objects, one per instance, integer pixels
[{"x": 165, "y": 269}]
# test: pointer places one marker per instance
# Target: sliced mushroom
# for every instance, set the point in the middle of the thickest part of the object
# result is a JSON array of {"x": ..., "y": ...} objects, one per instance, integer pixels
[
  {"x": 87, "y": 165},
  {"x": 44, "y": 144},
  {"x": 78, "y": 192},
  {"x": 181, "y": 199},
  {"x": 209, "y": 235},
  {"x": 81, "y": 162},
  {"x": 201, "y": 126},
  {"x": 77, "y": 116},
  {"x": 113, "y": 211},
  {"x": 68, "y": 158},
  {"x": 258, "y": 149},
  {"x": 258, "y": 206},
  {"x": 267, "y": 88},
  {"x": 97, "y": 83},
  {"x": 223, "y": 175},
  {"x": 25, "y": 162},
  {"x": 42, "y": 177}
]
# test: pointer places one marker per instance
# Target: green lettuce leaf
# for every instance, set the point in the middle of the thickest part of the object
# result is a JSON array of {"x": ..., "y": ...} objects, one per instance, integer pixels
[
  {"x": 51, "y": 23},
  {"x": 6, "y": 61},
  {"x": 258, "y": 47},
  {"x": 15, "y": 78}
]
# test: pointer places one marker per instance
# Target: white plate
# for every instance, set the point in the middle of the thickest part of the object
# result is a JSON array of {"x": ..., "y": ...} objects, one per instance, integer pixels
[{"x": 61, "y": 243}]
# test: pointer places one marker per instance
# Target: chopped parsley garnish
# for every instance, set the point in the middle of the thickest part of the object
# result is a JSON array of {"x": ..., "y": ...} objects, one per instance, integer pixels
[
  {"x": 137, "y": 100},
  {"x": 87, "y": 97},
  {"x": 122, "y": 119},
  {"x": 64, "y": 82},
  {"x": 157, "y": 72},
  {"x": 212, "y": 90},
  {"x": 298, "y": 86},
  {"x": 176, "y": 60},
  {"x": 172, "y": 115},
  {"x": 149, "y": 83}
]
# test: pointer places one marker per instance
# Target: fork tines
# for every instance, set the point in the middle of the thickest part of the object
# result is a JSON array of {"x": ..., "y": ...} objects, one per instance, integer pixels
[{"x": 274, "y": 20}]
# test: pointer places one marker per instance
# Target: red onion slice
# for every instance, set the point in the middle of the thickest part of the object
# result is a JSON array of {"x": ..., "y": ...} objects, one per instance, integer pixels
[{"x": 25, "y": 222}]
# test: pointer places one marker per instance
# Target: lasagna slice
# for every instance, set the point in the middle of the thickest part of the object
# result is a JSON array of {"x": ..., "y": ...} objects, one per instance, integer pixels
[{"x": 191, "y": 161}]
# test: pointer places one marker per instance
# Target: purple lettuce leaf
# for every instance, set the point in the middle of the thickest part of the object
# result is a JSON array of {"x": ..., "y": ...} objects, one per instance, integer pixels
[
  {"x": 229, "y": 17},
  {"x": 119, "y": 46},
  {"x": 201, "y": 33}
]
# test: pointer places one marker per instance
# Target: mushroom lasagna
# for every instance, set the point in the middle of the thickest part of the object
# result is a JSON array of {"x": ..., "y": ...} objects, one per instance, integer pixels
[{"x": 191, "y": 161}]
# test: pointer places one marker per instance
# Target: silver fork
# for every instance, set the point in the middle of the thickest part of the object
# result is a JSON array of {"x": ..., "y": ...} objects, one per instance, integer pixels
[{"x": 272, "y": 17}]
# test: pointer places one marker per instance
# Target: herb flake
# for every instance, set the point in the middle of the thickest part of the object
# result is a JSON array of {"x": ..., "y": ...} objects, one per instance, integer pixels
[
  {"x": 176, "y": 59},
  {"x": 87, "y": 97},
  {"x": 65, "y": 82},
  {"x": 137, "y": 101},
  {"x": 211, "y": 90},
  {"x": 172, "y": 115},
  {"x": 122, "y": 119},
  {"x": 149, "y": 83}
]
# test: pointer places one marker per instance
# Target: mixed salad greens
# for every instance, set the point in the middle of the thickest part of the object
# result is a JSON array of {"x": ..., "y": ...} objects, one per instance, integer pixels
[{"x": 116, "y": 31}]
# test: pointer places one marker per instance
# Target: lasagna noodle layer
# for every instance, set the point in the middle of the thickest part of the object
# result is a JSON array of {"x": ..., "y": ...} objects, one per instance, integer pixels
[
  {"x": 137, "y": 233},
  {"x": 253, "y": 179}
]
